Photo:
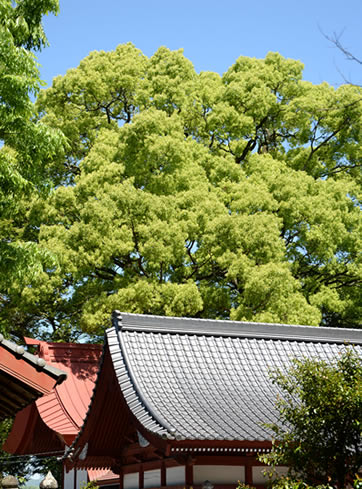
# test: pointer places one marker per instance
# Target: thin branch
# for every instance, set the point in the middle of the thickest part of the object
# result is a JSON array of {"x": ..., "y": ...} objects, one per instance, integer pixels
[
  {"x": 326, "y": 140},
  {"x": 336, "y": 40}
]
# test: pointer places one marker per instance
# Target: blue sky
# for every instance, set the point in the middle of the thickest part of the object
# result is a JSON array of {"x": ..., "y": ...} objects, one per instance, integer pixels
[{"x": 212, "y": 33}]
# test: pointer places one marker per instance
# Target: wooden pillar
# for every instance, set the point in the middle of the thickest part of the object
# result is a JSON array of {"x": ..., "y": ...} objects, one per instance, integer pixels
[
  {"x": 163, "y": 474},
  {"x": 189, "y": 473},
  {"x": 249, "y": 473},
  {"x": 121, "y": 476},
  {"x": 75, "y": 478},
  {"x": 141, "y": 477},
  {"x": 63, "y": 476}
]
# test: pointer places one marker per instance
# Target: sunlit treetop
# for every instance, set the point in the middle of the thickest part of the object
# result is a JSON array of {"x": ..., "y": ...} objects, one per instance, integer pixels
[{"x": 195, "y": 194}]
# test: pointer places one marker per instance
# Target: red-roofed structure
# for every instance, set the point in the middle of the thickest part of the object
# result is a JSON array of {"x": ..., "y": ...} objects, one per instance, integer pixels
[
  {"x": 180, "y": 402},
  {"x": 52, "y": 422},
  {"x": 23, "y": 378}
]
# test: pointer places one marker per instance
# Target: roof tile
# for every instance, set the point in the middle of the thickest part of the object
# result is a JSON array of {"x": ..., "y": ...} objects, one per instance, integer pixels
[{"x": 210, "y": 379}]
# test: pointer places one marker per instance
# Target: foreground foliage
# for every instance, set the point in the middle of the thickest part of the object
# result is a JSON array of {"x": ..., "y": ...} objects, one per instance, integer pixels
[
  {"x": 321, "y": 414},
  {"x": 289, "y": 483},
  {"x": 26, "y": 146},
  {"x": 25, "y": 143},
  {"x": 180, "y": 193}
]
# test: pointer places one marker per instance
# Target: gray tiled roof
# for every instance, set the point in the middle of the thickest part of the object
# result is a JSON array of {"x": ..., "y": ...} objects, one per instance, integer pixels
[{"x": 209, "y": 380}]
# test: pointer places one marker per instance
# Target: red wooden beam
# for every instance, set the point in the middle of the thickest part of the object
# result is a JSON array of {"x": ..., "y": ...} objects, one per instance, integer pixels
[
  {"x": 163, "y": 473},
  {"x": 227, "y": 460},
  {"x": 141, "y": 477},
  {"x": 26, "y": 373}
]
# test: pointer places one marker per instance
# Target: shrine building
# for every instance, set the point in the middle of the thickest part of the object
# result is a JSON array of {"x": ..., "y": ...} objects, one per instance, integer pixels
[
  {"x": 50, "y": 424},
  {"x": 184, "y": 402}
]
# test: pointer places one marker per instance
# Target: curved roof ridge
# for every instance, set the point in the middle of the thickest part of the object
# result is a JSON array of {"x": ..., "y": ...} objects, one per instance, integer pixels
[
  {"x": 241, "y": 329},
  {"x": 63, "y": 410},
  {"x": 62, "y": 423},
  {"x": 130, "y": 387}
]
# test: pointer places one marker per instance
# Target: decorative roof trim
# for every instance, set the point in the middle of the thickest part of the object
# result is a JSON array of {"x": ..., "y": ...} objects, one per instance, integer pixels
[
  {"x": 219, "y": 450},
  {"x": 38, "y": 363},
  {"x": 240, "y": 329},
  {"x": 137, "y": 395}
]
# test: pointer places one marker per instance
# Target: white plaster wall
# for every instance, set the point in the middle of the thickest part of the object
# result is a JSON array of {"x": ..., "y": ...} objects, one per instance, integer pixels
[
  {"x": 219, "y": 474},
  {"x": 82, "y": 479},
  {"x": 130, "y": 481},
  {"x": 175, "y": 476},
  {"x": 260, "y": 478},
  {"x": 152, "y": 478},
  {"x": 68, "y": 479}
]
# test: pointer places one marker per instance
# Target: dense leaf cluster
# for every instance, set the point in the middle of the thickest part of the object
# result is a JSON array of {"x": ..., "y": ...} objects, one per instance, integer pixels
[
  {"x": 321, "y": 414},
  {"x": 25, "y": 144},
  {"x": 195, "y": 194}
]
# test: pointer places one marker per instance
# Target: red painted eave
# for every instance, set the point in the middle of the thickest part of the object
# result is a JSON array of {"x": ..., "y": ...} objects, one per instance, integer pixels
[
  {"x": 31, "y": 435},
  {"x": 64, "y": 409},
  {"x": 106, "y": 427},
  {"x": 23, "y": 379},
  {"x": 102, "y": 476},
  {"x": 25, "y": 373},
  {"x": 61, "y": 411}
]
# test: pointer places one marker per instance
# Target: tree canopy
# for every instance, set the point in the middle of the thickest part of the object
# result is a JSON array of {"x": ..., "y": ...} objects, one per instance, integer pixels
[
  {"x": 195, "y": 194},
  {"x": 321, "y": 415},
  {"x": 26, "y": 144}
]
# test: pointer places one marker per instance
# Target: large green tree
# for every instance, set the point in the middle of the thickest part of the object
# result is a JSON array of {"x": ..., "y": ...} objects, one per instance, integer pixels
[
  {"x": 26, "y": 144},
  {"x": 233, "y": 196}
]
